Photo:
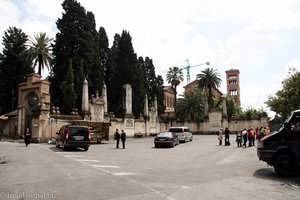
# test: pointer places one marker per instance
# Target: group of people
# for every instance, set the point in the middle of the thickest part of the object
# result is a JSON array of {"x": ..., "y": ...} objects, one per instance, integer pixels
[
  {"x": 118, "y": 136},
  {"x": 243, "y": 136}
]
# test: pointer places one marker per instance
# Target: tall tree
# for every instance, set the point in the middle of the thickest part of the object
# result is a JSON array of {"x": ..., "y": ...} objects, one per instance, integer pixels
[
  {"x": 13, "y": 68},
  {"x": 40, "y": 51},
  {"x": 69, "y": 100},
  {"x": 288, "y": 98},
  {"x": 154, "y": 85},
  {"x": 191, "y": 106},
  {"x": 209, "y": 79},
  {"x": 123, "y": 66},
  {"x": 175, "y": 77},
  {"x": 77, "y": 40}
]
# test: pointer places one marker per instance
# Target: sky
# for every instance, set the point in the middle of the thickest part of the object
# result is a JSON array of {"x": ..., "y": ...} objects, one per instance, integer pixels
[{"x": 260, "y": 38}]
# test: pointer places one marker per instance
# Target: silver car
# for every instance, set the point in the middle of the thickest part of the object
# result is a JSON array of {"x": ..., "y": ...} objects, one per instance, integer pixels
[{"x": 184, "y": 133}]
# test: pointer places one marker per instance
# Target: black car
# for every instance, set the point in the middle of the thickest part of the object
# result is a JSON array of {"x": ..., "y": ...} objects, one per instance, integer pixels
[
  {"x": 166, "y": 139},
  {"x": 281, "y": 148},
  {"x": 73, "y": 136}
]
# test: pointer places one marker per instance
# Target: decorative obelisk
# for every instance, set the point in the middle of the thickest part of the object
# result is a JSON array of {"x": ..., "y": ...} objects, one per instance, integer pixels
[{"x": 85, "y": 100}]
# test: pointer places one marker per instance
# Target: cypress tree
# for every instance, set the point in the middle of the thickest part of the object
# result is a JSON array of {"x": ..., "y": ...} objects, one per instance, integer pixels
[
  {"x": 77, "y": 40},
  {"x": 14, "y": 67},
  {"x": 69, "y": 100}
]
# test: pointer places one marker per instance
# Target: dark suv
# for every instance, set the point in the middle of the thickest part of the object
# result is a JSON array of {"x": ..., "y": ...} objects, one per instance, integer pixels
[
  {"x": 281, "y": 148},
  {"x": 73, "y": 136}
]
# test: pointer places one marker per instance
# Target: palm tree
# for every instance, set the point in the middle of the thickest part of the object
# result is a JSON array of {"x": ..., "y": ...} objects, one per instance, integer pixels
[
  {"x": 209, "y": 79},
  {"x": 175, "y": 77},
  {"x": 40, "y": 51},
  {"x": 191, "y": 106}
]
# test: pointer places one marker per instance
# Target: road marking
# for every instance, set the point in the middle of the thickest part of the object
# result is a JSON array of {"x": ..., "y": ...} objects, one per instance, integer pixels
[
  {"x": 85, "y": 160},
  {"x": 123, "y": 173},
  {"x": 107, "y": 171},
  {"x": 106, "y": 166}
]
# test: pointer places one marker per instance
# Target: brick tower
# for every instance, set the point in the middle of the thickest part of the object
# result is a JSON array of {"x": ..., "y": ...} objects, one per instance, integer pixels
[{"x": 233, "y": 85}]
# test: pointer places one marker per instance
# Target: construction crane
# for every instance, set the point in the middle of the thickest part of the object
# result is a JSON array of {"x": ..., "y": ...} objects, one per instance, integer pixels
[{"x": 188, "y": 66}]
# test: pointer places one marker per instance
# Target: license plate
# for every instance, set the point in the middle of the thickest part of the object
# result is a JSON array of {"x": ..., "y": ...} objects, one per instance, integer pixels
[
  {"x": 162, "y": 139},
  {"x": 78, "y": 137}
]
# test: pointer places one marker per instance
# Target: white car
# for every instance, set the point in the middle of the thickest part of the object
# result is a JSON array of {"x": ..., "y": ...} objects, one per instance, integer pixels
[{"x": 184, "y": 133}]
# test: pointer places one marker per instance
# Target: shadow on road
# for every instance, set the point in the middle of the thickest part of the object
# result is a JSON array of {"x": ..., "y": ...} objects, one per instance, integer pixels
[
  {"x": 56, "y": 149},
  {"x": 270, "y": 174}
]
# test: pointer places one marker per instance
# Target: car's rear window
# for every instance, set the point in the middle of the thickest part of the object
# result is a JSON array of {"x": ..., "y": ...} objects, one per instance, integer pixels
[
  {"x": 165, "y": 134},
  {"x": 77, "y": 130},
  {"x": 175, "y": 130}
]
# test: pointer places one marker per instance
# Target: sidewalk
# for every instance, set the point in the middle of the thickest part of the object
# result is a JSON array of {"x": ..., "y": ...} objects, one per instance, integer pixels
[{"x": 10, "y": 139}]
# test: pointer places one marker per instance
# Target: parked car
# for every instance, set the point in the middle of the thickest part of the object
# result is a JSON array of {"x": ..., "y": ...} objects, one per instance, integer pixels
[
  {"x": 184, "y": 133},
  {"x": 73, "y": 136},
  {"x": 166, "y": 139},
  {"x": 281, "y": 149}
]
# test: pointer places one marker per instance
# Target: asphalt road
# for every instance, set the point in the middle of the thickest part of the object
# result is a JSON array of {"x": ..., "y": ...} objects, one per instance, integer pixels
[{"x": 195, "y": 170}]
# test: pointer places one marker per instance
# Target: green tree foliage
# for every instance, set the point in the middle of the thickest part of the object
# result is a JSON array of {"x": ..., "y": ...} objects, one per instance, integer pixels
[
  {"x": 191, "y": 106},
  {"x": 13, "y": 68},
  {"x": 154, "y": 85},
  {"x": 124, "y": 71},
  {"x": 252, "y": 113},
  {"x": 77, "y": 40},
  {"x": 209, "y": 79},
  {"x": 40, "y": 51},
  {"x": 175, "y": 77},
  {"x": 69, "y": 100},
  {"x": 287, "y": 99}
]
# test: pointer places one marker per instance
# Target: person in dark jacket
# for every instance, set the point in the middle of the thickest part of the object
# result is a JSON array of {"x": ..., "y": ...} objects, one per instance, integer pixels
[
  {"x": 27, "y": 136},
  {"x": 117, "y": 138},
  {"x": 123, "y": 138},
  {"x": 227, "y": 132}
]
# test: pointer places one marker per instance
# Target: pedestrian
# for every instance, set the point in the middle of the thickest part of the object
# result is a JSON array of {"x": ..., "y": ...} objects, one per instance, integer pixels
[
  {"x": 27, "y": 136},
  {"x": 227, "y": 132},
  {"x": 245, "y": 135},
  {"x": 117, "y": 138},
  {"x": 250, "y": 135},
  {"x": 239, "y": 138},
  {"x": 123, "y": 138},
  {"x": 220, "y": 136}
]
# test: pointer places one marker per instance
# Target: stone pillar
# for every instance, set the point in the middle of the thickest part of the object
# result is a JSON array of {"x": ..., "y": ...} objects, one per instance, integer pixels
[
  {"x": 127, "y": 99},
  {"x": 104, "y": 96},
  {"x": 85, "y": 98},
  {"x": 155, "y": 105},
  {"x": 224, "y": 106},
  {"x": 146, "y": 108}
]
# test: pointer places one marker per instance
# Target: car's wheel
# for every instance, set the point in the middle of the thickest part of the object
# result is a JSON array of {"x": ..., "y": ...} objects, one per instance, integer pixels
[
  {"x": 156, "y": 146},
  {"x": 172, "y": 145},
  {"x": 99, "y": 140},
  {"x": 86, "y": 148},
  {"x": 63, "y": 147},
  {"x": 286, "y": 165},
  {"x": 56, "y": 144},
  {"x": 191, "y": 139}
]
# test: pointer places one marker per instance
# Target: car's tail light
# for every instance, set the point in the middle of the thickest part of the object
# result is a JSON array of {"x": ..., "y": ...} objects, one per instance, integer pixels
[
  {"x": 89, "y": 133},
  {"x": 67, "y": 135}
]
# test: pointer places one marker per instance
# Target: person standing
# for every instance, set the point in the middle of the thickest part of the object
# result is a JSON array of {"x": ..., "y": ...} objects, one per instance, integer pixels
[
  {"x": 27, "y": 136},
  {"x": 239, "y": 138},
  {"x": 227, "y": 132},
  {"x": 220, "y": 136},
  {"x": 244, "y": 134},
  {"x": 117, "y": 138},
  {"x": 123, "y": 138}
]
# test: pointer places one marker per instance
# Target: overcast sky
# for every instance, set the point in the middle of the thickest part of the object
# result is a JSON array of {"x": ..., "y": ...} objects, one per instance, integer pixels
[{"x": 261, "y": 38}]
